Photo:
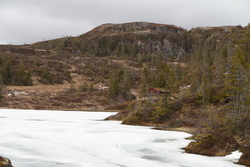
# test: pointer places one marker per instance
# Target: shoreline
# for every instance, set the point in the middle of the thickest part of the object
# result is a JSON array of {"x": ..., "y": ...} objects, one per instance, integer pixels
[
  {"x": 49, "y": 109},
  {"x": 190, "y": 130}
]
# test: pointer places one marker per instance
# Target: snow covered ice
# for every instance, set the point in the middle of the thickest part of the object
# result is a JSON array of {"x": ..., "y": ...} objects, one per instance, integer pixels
[{"x": 33, "y": 138}]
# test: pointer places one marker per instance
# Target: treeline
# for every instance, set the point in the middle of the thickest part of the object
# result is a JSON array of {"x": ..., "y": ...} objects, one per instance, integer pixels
[
  {"x": 159, "y": 74},
  {"x": 141, "y": 47},
  {"x": 218, "y": 72},
  {"x": 23, "y": 70},
  {"x": 12, "y": 74}
]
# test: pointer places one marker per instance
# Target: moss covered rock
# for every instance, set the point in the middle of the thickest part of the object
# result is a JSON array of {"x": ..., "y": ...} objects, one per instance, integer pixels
[
  {"x": 4, "y": 162},
  {"x": 245, "y": 158},
  {"x": 214, "y": 144}
]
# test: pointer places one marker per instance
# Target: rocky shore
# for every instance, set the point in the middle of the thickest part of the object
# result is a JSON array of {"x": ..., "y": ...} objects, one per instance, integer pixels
[
  {"x": 245, "y": 158},
  {"x": 216, "y": 143}
]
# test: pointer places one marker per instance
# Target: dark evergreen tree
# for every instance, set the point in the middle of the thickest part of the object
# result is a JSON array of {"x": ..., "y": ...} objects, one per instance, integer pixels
[{"x": 113, "y": 85}]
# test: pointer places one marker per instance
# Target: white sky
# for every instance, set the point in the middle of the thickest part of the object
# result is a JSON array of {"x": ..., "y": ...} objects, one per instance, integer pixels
[{"x": 29, "y": 21}]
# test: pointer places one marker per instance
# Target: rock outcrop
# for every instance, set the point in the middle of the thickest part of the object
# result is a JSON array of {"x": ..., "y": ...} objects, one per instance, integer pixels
[
  {"x": 4, "y": 162},
  {"x": 213, "y": 145},
  {"x": 245, "y": 158}
]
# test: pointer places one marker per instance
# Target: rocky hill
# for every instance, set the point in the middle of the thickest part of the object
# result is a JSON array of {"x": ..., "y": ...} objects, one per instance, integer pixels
[
  {"x": 124, "y": 40},
  {"x": 155, "y": 74},
  {"x": 77, "y": 61},
  {"x": 72, "y": 63},
  {"x": 138, "y": 42}
]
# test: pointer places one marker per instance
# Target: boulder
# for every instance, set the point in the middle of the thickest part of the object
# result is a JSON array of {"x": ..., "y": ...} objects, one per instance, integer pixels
[
  {"x": 245, "y": 158},
  {"x": 4, "y": 162},
  {"x": 215, "y": 144}
]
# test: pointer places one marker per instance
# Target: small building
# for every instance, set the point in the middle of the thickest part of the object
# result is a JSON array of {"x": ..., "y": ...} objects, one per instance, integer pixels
[{"x": 154, "y": 91}]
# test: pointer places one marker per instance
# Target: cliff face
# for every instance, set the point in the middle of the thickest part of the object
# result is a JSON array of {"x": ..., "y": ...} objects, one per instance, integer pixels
[
  {"x": 139, "y": 38},
  {"x": 126, "y": 40}
]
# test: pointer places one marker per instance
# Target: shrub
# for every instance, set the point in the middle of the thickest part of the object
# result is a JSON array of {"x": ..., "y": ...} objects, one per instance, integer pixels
[
  {"x": 1, "y": 93},
  {"x": 85, "y": 87},
  {"x": 103, "y": 100},
  {"x": 216, "y": 143}
]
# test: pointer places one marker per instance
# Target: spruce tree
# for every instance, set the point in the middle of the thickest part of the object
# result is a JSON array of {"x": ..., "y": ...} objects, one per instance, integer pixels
[{"x": 113, "y": 85}]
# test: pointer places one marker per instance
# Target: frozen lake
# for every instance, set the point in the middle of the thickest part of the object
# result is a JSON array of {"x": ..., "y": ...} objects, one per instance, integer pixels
[{"x": 81, "y": 139}]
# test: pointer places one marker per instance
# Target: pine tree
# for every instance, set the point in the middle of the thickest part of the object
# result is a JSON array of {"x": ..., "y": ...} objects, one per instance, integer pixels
[
  {"x": 127, "y": 80},
  {"x": 46, "y": 77},
  {"x": 145, "y": 81},
  {"x": 23, "y": 78},
  {"x": 113, "y": 84},
  {"x": 165, "y": 106},
  {"x": 8, "y": 71},
  {"x": 1, "y": 89}
]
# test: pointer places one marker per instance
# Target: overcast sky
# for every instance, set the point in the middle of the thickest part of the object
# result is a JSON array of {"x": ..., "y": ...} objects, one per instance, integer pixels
[{"x": 29, "y": 21}]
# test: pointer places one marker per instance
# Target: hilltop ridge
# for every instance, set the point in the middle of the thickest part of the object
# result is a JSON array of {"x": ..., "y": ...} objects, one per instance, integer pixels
[{"x": 138, "y": 26}]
